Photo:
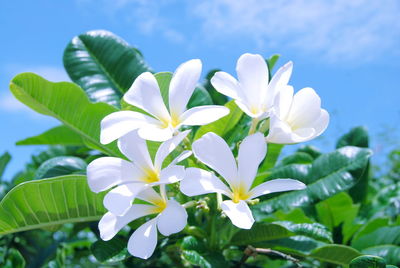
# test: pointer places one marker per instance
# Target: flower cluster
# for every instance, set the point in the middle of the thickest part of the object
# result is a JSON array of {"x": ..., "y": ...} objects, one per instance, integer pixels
[{"x": 137, "y": 185}]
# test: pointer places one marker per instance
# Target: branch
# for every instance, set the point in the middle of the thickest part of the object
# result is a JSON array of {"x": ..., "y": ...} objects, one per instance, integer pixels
[{"x": 251, "y": 251}]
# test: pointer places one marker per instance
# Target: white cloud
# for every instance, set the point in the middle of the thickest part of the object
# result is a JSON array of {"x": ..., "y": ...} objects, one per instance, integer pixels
[{"x": 334, "y": 29}]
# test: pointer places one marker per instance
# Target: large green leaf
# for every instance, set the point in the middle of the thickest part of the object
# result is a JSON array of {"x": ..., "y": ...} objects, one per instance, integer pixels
[
  {"x": 273, "y": 152},
  {"x": 67, "y": 103},
  {"x": 390, "y": 253},
  {"x": 337, "y": 254},
  {"x": 357, "y": 136},
  {"x": 329, "y": 175},
  {"x": 61, "y": 165},
  {"x": 104, "y": 250},
  {"x": 195, "y": 258},
  {"x": 217, "y": 98},
  {"x": 368, "y": 261},
  {"x": 4, "y": 159},
  {"x": 336, "y": 210},
  {"x": 262, "y": 232},
  {"x": 60, "y": 135},
  {"x": 222, "y": 126},
  {"x": 49, "y": 202},
  {"x": 386, "y": 235},
  {"x": 294, "y": 245},
  {"x": 103, "y": 64}
]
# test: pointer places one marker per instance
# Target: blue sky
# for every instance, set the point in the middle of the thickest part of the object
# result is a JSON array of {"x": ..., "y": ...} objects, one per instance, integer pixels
[{"x": 348, "y": 51}]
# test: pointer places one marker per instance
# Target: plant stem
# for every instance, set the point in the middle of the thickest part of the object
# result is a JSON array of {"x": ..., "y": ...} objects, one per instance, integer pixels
[
  {"x": 253, "y": 126},
  {"x": 252, "y": 251}
]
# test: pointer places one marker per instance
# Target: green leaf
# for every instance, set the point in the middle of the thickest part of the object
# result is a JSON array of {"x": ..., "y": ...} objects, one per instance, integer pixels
[
  {"x": 296, "y": 245},
  {"x": 192, "y": 243},
  {"x": 48, "y": 202},
  {"x": 311, "y": 150},
  {"x": 336, "y": 210},
  {"x": 273, "y": 152},
  {"x": 222, "y": 126},
  {"x": 67, "y": 103},
  {"x": 61, "y": 165},
  {"x": 368, "y": 261},
  {"x": 328, "y": 176},
  {"x": 4, "y": 160},
  {"x": 105, "y": 250},
  {"x": 357, "y": 136},
  {"x": 297, "y": 158},
  {"x": 336, "y": 254},
  {"x": 60, "y": 135},
  {"x": 163, "y": 80},
  {"x": 390, "y": 253},
  {"x": 195, "y": 258},
  {"x": 370, "y": 227},
  {"x": 103, "y": 64},
  {"x": 261, "y": 232},
  {"x": 200, "y": 97},
  {"x": 271, "y": 62},
  {"x": 386, "y": 235}
]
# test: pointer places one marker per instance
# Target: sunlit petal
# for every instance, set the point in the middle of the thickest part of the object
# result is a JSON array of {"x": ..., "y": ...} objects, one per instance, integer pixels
[
  {"x": 143, "y": 241},
  {"x": 117, "y": 124},
  {"x": 203, "y": 115},
  {"x": 119, "y": 199},
  {"x": 106, "y": 172},
  {"x": 111, "y": 224},
  {"x": 167, "y": 147},
  {"x": 213, "y": 151},
  {"x": 277, "y": 185},
  {"x": 198, "y": 181},
  {"x": 251, "y": 152},
  {"x": 145, "y": 94},
  {"x": 172, "y": 219},
  {"x": 182, "y": 85},
  {"x": 239, "y": 213}
]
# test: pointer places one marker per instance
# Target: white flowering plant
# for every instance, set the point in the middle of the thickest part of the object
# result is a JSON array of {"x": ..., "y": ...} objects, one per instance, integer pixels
[{"x": 167, "y": 169}]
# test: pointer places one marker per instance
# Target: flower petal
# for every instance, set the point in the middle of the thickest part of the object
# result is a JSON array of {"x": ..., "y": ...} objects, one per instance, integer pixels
[
  {"x": 321, "y": 123},
  {"x": 203, "y": 115},
  {"x": 172, "y": 219},
  {"x": 167, "y": 147},
  {"x": 305, "y": 110},
  {"x": 283, "y": 102},
  {"x": 277, "y": 185},
  {"x": 171, "y": 174},
  {"x": 239, "y": 213},
  {"x": 199, "y": 181},
  {"x": 119, "y": 199},
  {"x": 106, "y": 172},
  {"x": 150, "y": 195},
  {"x": 278, "y": 82},
  {"x": 182, "y": 85},
  {"x": 155, "y": 133},
  {"x": 181, "y": 157},
  {"x": 279, "y": 131},
  {"x": 226, "y": 84},
  {"x": 143, "y": 241},
  {"x": 111, "y": 224},
  {"x": 213, "y": 151},
  {"x": 252, "y": 71},
  {"x": 135, "y": 148},
  {"x": 145, "y": 94},
  {"x": 251, "y": 152},
  {"x": 117, "y": 124}
]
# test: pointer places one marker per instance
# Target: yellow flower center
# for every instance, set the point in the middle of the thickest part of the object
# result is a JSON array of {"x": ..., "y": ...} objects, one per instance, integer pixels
[
  {"x": 151, "y": 176},
  {"x": 160, "y": 205},
  {"x": 240, "y": 193}
]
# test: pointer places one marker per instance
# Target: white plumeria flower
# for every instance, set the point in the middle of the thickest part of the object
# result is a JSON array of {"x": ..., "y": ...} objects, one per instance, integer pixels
[
  {"x": 297, "y": 118},
  {"x": 252, "y": 92},
  {"x": 213, "y": 151},
  {"x": 171, "y": 218},
  {"x": 163, "y": 123},
  {"x": 130, "y": 178}
]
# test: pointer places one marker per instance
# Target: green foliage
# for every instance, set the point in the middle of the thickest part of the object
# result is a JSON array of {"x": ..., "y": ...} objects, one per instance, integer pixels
[
  {"x": 70, "y": 105},
  {"x": 48, "y": 202},
  {"x": 103, "y": 64},
  {"x": 49, "y": 216},
  {"x": 328, "y": 175},
  {"x": 60, "y": 135}
]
